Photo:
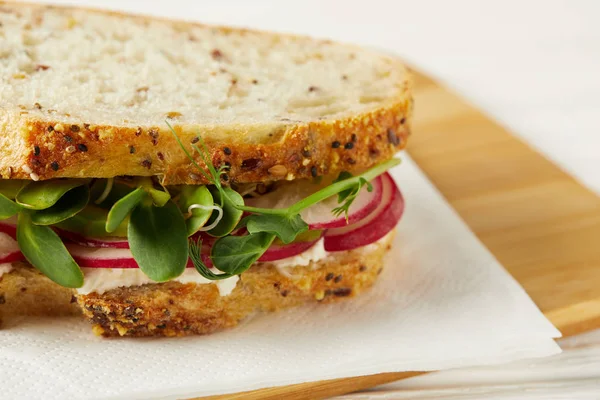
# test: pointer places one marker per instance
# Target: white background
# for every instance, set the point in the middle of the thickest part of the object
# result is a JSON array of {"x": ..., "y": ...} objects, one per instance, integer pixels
[{"x": 532, "y": 65}]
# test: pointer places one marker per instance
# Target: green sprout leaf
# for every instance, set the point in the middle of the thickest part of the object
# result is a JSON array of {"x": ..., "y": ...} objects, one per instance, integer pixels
[
  {"x": 194, "y": 249},
  {"x": 196, "y": 195},
  {"x": 122, "y": 208},
  {"x": 42, "y": 247},
  {"x": 344, "y": 193},
  {"x": 91, "y": 221},
  {"x": 8, "y": 208},
  {"x": 99, "y": 191},
  {"x": 67, "y": 206},
  {"x": 44, "y": 194},
  {"x": 10, "y": 187},
  {"x": 349, "y": 198},
  {"x": 159, "y": 197},
  {"x": 230, "y": 200},
  {"x": 158, "y": 240},
  {"x": 286, "y": 228},
  {"x": 235, "y": 254}
]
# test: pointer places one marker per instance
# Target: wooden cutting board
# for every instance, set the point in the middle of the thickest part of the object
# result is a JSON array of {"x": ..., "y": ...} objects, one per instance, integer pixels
[{"x": 541, "y": 224}]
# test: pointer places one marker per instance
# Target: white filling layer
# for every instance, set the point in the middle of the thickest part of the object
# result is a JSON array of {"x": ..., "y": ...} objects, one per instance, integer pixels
[
  {"x": 100, "y": 280},
  {"x": 314, "y": 254},
  {"x": 5, "y": 268}
]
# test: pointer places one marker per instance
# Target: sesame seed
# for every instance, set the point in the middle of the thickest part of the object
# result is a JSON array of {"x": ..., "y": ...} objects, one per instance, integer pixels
[
  {"x": 329, "y": 276},
  {"x": 34, "y": 176},
  {"x": 306, "y": 153},
  {"x": 351, "y": 161},
  {"x": 50, "y": 128},
  {"x": 335, "y": 144},
  {"x": 313, "y": 171},
  {"x": 160, "y": 156},
  {"x": 338, "y": 279},
  {"x": 354, "y": 138},
  {"x": 70, "y": 149},
  {"x": 131, "y": 150},
  {"x": 362, "y": 268},
  {"x": 36, "y": 150},
  {"x": 59, "y": 127},
  {"x": 54, "y": 165},
  {"x": 225, "y": 177},
  {"x": 349, "y": 146},
  {"x": 402, "y": 121},
  {"x": 227, "y": 151},
  {"x": 392, "y": 138},
  {"x": 68, "y": 138},
  {"x": 82, "y": 147},
  {"x": 195, "y": 140},
  {"x": 27, "y": 169},
  {"x": 75, "y": 128}
]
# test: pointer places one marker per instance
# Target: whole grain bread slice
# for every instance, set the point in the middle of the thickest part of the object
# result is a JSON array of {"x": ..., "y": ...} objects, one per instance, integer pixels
[{"x": 86, "y": 93}]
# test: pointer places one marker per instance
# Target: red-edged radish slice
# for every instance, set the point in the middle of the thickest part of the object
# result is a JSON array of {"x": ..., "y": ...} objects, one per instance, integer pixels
[
  {"x": 98, "y": 257},
  {"x": 369, "y": 230},
  {"x": 107, "y": 242},
  {"x": 9, "y": 249},
  {"x": 275, "y": 253},
  {"x": 319, "y": 216},
  {"x": 9, "y": 229}
]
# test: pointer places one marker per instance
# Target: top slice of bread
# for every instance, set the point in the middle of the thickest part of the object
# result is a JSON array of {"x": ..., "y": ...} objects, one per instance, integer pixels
[{"x": 86, "y": 93}]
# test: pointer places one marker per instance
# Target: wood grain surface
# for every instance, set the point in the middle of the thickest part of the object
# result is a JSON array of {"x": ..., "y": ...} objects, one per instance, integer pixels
[{"x": 541, "y": 224}]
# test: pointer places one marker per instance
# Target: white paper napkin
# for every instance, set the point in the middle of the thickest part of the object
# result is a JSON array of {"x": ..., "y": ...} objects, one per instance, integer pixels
[{"x": 442, "y": 301}]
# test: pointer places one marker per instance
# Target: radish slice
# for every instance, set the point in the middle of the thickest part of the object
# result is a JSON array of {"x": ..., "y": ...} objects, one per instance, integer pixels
[
  {"x": 102, "y": 257},
  {"x": 107, "y": 242},
  {"x": 372, "y": 228},
  {"x": 9, "y": 249},
  {"x": 319, "y": 216},
  {"x": 98, "y": 257},
  {"x": 275, "y": 253},
  {"x": 9, "y": 229}
]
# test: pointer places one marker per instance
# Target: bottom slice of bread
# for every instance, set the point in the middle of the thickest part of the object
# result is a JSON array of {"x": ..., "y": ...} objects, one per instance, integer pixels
[{"x": 176, "y": 309}]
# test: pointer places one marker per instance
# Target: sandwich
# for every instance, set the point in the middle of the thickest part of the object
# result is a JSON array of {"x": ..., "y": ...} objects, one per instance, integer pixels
[{"x": 168, "y": 178}]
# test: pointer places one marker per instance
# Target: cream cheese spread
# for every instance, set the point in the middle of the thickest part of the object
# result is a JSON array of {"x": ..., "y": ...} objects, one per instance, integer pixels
[
  {"x": 5, "y": 268},
  {"x": 100, "y": 280}
]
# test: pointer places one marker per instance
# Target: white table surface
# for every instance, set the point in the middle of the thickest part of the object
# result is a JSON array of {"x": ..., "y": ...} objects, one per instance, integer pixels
[{"x": 533, "y": 65}]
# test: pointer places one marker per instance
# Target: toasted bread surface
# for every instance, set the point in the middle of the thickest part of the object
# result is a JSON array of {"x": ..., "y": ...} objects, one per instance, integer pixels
[
  {"x": 175, "y": 309},
  {"x": 86, "y": 93}
]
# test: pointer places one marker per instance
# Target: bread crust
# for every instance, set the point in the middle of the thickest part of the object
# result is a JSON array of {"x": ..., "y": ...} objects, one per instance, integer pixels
[
  {"x": 46, "y": 148},
  {"x": 175, "y": 309},
  {"x": 56, "y": 150}
]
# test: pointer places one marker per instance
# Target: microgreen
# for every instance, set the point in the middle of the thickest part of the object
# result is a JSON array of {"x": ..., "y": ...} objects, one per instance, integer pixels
[
  {"x": 235, "y": 254},
  {"x": 122, "y": 208},
  {"x": 285, "y": 227},
  {"x": 158, "y": 240},
  {"x": 201, "y": 200},
  {"x": 106, "y": 192},
  {"x": 42, "y": 247},
  {"x": 10, "y": 187},
  {"x": 66, "y": 207},
  {"x": 230, "y": 201},
  {"x": 91, "y": 221},
  {"x": 44, "y": 194},
  {"x": 8, "y": 208},
  {"x": 194, "y": 249}
]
